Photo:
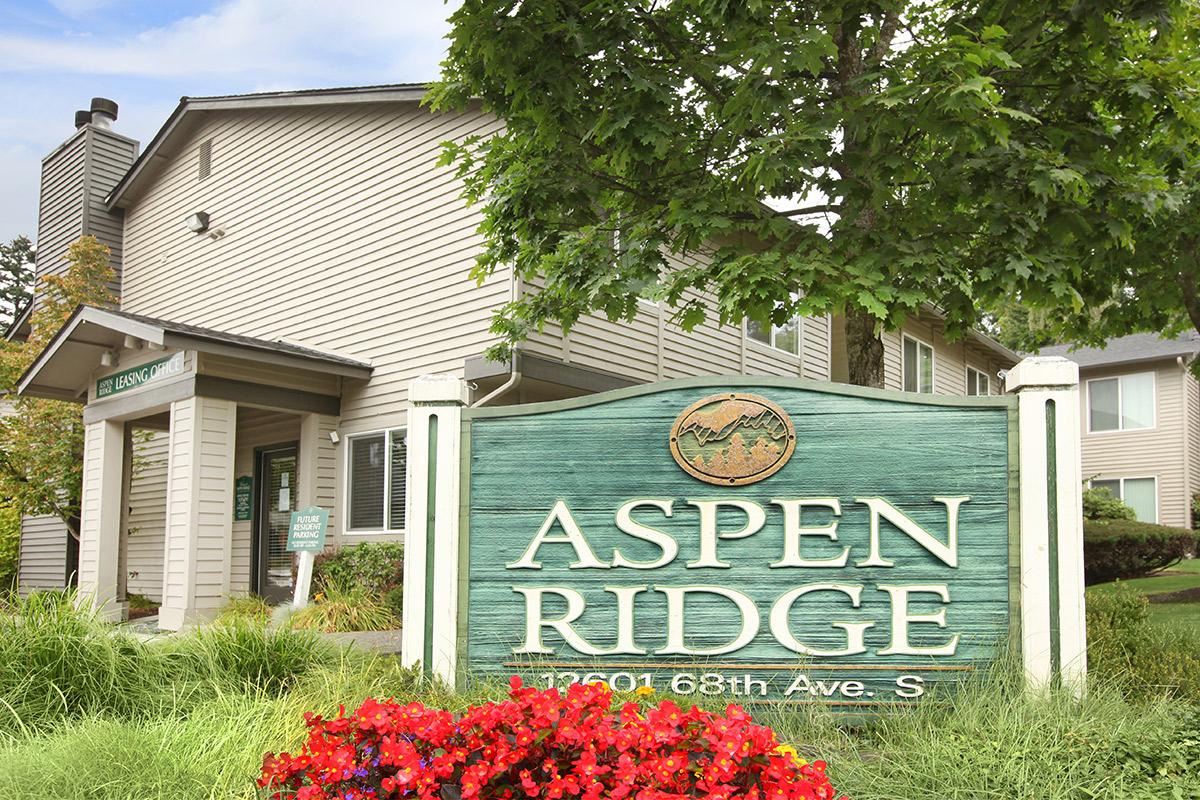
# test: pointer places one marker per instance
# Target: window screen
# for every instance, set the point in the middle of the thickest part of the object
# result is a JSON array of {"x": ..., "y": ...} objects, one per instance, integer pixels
[
  {"x": 978, "y": 383},
  {"x": 367, "y": 475},
  {"x": 1139, "y": 494},
  {"x": 1137, "y": 401},
  {"x": 918, "y": 366},
  {"x": 1104, "y": 405},
  {"x": 398, "y": 472},
  {"x": 758, "y": 332}
]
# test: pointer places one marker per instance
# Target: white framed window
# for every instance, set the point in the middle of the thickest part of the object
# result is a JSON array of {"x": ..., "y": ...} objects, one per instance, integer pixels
[
  {"x": 978, "y": 383},
  {"x": 376, "y": 475},
  {"x": 1121, "y": 403},
  {"x": 917, "y": 365},
  {"x": 784, "y": 337},
  {"x": 1140, "y": 494}
]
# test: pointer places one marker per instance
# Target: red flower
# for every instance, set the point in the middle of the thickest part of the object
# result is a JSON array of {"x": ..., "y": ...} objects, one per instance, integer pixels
[{"x": 541, "y": 744}]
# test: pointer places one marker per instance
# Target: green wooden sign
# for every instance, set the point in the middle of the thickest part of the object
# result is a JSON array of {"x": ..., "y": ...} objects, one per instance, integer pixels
[
  {"x": 770, "y": 541},
  {"x": 306, "y": 530},
  {"x": 140, "y": 375},
  {"x": 243, "y": 494}
]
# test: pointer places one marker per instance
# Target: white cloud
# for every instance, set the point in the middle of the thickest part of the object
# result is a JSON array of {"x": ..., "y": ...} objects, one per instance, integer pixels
[{"x": 276, "y": 39}]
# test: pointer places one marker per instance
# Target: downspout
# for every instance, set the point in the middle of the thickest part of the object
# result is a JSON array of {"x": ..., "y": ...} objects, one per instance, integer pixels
[
  {"x": 514, "y": 369},
  {"x": 1184, "y": 374}
]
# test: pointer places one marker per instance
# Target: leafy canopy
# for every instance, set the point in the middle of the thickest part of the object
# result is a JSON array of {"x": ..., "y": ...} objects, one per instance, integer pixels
[
  {"x": 963, "y": 154},
  {"x": 41, "y": 441}
]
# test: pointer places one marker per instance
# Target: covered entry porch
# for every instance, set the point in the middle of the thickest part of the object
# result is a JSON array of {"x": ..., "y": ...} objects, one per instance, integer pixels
[{"x": 246, "y": 432}]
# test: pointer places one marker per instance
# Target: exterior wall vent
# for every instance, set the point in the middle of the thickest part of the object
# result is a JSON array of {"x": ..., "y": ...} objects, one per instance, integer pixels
[{"x": 205, "y": 158}]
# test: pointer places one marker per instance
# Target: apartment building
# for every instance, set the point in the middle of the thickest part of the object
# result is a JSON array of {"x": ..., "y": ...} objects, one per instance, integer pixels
[
  {"x": 289, "y": 262},
  {"x": 1140, "y": 420}
]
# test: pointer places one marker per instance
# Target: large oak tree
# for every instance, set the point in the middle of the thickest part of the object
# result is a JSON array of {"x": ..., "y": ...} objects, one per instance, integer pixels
[{"x": 963, "y": 154}]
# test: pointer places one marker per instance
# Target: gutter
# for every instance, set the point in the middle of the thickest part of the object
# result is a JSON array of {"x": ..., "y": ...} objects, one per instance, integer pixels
[
  {"x": 1185, "y": 374},
  {"x": 514, "y": 369}
]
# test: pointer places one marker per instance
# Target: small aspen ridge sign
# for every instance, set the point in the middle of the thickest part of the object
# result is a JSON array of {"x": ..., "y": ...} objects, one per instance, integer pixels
[
  {"x": 140, "y": 375},
  {"x": 767, "y": 540}
]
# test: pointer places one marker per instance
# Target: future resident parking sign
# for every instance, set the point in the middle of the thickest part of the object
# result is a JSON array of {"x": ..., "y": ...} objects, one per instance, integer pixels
[{"x": 770, "y": 541}]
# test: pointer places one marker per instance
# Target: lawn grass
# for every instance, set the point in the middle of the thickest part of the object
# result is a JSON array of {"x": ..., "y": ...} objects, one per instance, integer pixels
[
  {"x": 92, "y": 715},
  {"x": 1184, "y": 575}
]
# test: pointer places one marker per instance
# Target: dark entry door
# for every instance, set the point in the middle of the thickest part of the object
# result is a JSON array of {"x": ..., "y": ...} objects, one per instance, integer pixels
[{"x": 276, "y": 501}]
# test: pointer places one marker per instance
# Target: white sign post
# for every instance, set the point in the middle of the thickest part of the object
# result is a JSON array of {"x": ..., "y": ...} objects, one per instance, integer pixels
[{"x": 306, "y": 536}]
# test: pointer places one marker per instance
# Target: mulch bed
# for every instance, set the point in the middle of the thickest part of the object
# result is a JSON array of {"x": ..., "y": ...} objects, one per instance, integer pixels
[{"x": 1182, "y": 596}]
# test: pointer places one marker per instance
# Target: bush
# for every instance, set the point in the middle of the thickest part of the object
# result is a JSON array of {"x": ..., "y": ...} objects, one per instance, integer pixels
[
  {"x": 250, "y": 608},
  {"x": 540, "y": 743},
  {"x": 1130, "y": 549},
  {"x": 378, "y": 567},
  {"x": 1101, "y": 503},
  {"x": 1143, "y": 658},
  {"x": 10, "y": 546},
  {"x": 59, "y": 663},
  {"x": 344, "y": 608}
]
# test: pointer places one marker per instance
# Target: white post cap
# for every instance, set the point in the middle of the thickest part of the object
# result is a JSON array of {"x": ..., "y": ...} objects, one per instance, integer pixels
[
  {"x": 439, "y": 389},
  {"x": 1042, "y": 372}
]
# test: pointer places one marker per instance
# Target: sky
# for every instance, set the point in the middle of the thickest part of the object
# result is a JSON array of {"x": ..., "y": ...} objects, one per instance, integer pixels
[{"x": 146, "y": 54}]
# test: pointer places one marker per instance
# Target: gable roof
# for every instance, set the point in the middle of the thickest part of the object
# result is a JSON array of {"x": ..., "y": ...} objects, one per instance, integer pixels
[
  {"x": 191, "y": 109},
  {"x": 1130, "y": 349},
  {"x": 74, "y": 352}
]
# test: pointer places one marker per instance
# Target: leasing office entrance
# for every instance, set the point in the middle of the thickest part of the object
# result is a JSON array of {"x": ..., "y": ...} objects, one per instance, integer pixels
[{"x": 225, "y": 402}]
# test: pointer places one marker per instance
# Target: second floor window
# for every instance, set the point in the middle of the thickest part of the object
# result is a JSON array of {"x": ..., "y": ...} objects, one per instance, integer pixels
[
  {"x": 978, "y": 383},
  {"x": 783, "y": 337},
  {"x": 1122, "y": 403},
  {"x": 918, "y": 366},
  {"x": 377, "y": 472}
]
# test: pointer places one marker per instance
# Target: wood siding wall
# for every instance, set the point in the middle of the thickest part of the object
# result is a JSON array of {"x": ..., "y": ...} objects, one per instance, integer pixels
[
  {"x": 950, "y": 360},
  {"x": 147, "y": 519},
  {"x": 340, "y": 232},
  {"x": 1155, "y": 452},
  {"x": 42, "y": 560}
]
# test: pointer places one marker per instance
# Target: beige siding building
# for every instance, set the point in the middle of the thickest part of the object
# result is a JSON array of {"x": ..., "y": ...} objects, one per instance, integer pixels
[
  {"x": 290, "y": 262},
  {"x": 1140, "y": 421}
]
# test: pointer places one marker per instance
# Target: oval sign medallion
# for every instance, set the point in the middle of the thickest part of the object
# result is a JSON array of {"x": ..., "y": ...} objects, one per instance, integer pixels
[{"x": 732, "y": 439}]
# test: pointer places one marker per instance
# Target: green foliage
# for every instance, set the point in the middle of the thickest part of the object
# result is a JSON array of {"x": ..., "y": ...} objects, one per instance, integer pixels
[
  {"x": 378, "y": 567},
  {"x": 41, "y": 443},
  {"x": 1125, "y": 548},
  {"x": 10, "y": 546},
  {"x": 966, "y": 155},
  {"x": 1127, "y": 649},
  {"x": 343, "y": 607},
  {"x": 16, "y": 278},
  {"x": 202, "y": 750},
  {"x": 250, "y": 608},
  {"x": 59, "y": 663},
  {"x": 1101, "y": 503}
]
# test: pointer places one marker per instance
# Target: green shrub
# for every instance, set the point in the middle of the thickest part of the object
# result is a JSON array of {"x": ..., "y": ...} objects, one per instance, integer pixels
[
  {"x": 378, "y": 567},
  {"x": 250, "y": 608},
  {"x": 340, "y": 607},
  {"x": 10, "y": 546},
  {"x": 1127, "y": 649},
  {"x": 1120, "y": 548},
  {"x": 1101, "y": 503}
]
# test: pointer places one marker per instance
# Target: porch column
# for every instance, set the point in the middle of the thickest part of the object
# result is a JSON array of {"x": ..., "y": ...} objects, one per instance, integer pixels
[
  {"x": 197, "y": 561},
  {"x": 100, "y": 517}
]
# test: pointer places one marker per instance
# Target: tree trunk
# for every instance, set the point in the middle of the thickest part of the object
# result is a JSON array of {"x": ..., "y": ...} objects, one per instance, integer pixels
[{"x": 864, "y": 349}]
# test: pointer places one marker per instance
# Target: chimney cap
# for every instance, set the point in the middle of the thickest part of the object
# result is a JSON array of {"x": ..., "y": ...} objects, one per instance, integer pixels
[
  {"x": 82, "y": 117},
  {"x": 104, "y": 106}
]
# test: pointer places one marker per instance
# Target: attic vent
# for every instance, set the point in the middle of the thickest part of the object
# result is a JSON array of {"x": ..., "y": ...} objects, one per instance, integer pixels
[{"x": 205, "y": 158}]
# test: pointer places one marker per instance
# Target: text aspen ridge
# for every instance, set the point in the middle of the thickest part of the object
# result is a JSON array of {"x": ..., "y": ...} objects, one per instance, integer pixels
[{"x": 744, "y": 617}]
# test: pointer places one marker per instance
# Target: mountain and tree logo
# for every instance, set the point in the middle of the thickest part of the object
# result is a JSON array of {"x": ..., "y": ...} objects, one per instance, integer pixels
[{"x": 732, "y": 439}]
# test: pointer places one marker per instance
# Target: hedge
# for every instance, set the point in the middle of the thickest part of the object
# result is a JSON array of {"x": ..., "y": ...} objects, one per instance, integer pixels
[{"x": 1125, "y": 548}]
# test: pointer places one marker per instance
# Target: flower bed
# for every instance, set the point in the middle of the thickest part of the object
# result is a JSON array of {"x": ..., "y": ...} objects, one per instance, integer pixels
[{"x": 541, "y": 743}]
